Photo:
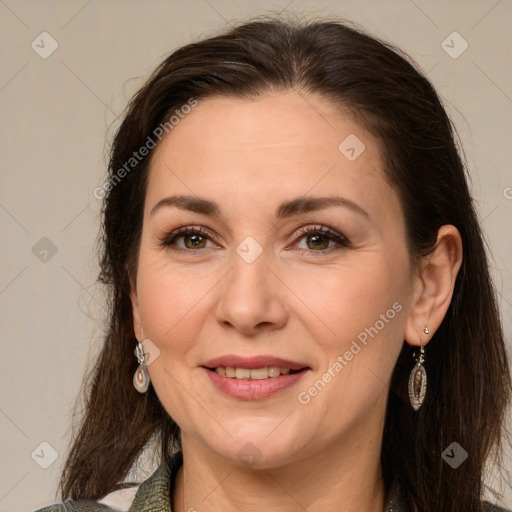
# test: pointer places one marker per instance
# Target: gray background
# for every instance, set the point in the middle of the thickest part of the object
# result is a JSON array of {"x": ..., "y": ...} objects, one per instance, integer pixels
[{"x": 57, "y": 113}]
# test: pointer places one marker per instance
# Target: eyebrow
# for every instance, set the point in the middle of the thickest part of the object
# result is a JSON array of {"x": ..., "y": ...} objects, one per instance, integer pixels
[{"x": 287, "y": 209}]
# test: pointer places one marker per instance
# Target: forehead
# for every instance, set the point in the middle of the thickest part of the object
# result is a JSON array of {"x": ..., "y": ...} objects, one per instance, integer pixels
[{"x": 257, "y": 151}]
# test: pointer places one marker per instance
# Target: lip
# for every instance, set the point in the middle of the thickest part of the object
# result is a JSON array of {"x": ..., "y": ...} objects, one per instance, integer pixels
[
  {"x": 249, "y": 389},
  {"x": 252, "y": 363}
]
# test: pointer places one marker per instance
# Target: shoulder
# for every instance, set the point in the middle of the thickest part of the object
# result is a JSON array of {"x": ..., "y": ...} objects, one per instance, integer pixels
[
  {"x": 152, "y": 494},
  {"x": 117, "y": 501},
  {"x": 114, "y": 502},
  {"x": 488, "y": 507},
  {"x": 77, "y": 506}
]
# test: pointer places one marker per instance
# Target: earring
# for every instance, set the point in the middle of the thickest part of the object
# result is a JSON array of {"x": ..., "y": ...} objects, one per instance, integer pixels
[
  {"x": 418, "y": 381},
  {"x": 141, "y": 378}
]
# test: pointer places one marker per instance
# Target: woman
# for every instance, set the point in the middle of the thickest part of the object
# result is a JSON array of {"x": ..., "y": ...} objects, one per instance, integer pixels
[{"x": 294, "y": 256}]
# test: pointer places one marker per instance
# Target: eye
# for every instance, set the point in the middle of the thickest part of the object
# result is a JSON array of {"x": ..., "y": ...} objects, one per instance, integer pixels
[
  {"x": 321, "y": 239},
  {"x": 191, "y": 237}
]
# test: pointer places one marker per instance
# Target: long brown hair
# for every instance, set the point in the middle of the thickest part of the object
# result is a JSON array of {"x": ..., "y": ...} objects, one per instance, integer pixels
[{"x": 469, "y": 382}]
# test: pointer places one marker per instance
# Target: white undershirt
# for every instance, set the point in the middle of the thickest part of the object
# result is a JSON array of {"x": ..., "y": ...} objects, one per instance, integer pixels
[{"x": 121, "y": 499}]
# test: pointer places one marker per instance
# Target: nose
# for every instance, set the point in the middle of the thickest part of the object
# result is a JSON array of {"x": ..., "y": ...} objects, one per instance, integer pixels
[{"x": 252, "y": 298}]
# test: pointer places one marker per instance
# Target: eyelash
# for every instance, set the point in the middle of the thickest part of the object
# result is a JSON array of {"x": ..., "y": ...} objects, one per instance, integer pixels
[{"x": 301, "y": 233}]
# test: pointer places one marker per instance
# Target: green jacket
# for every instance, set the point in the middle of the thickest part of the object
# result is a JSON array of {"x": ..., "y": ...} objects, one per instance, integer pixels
[{"x": 153, "y": 495}]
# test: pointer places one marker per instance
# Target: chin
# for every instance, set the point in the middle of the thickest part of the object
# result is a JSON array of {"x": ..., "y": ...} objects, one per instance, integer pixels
[{"x": 258, "y": 451}]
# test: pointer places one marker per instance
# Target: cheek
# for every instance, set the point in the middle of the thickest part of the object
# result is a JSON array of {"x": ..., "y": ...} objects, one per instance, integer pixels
[
  {"x": 360, "y": 320},
  {"x": 361, "y": 312},
  {"x": 350, "y": 298},
  {"x": 171, "y": 303},
  {"x": 173, "y": 314}
]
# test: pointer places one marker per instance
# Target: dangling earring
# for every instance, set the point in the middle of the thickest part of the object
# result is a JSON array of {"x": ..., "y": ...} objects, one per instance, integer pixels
[
  {"x": 418, "y": 379},
  {"x": 141, "y": 378}
]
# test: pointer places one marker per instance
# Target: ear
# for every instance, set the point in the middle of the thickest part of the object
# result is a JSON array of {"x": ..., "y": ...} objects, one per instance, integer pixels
[
  {"x": 135, "y": 309},
  {"x": 434, "y": 284}
]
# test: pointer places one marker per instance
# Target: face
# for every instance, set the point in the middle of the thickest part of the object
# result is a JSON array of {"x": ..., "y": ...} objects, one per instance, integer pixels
[{"x": 255, "y": 266}]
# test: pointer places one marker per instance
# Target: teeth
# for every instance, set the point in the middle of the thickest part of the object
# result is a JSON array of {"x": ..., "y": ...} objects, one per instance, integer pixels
[
  {"x": 274, "y": 371},
  {"x": 243, "y": 373},
  {"x": 256, "y": 373}
]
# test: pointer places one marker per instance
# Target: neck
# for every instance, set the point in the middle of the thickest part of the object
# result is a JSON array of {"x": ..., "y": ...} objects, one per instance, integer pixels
[{"x": 346, "y": 476}]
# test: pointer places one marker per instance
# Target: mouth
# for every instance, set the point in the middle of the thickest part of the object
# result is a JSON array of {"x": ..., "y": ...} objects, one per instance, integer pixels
[
  {"x": 267, "y": 372},
  {"x": 253, "y": 378}
]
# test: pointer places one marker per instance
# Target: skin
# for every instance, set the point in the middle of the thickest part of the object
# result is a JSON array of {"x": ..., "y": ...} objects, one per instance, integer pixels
[{"x": 294, "y": 301}]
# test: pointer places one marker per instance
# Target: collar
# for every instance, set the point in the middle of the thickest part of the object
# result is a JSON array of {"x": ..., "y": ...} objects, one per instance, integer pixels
[{"x": 154, "y": 494}]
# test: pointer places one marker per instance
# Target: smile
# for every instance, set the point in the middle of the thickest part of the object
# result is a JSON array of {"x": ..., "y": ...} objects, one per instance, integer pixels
[
  {"x": 242, "y": 385},
  {"x": 256, "y": 373}
]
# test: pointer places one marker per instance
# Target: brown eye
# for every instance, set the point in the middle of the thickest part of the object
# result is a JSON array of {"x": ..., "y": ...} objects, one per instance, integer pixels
[
  {"x": 193, "y": 241},
  {"x": 320, "y": 239},
  {"x": 188, "y": 238},
  {"x": 317, "y": 241}
]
